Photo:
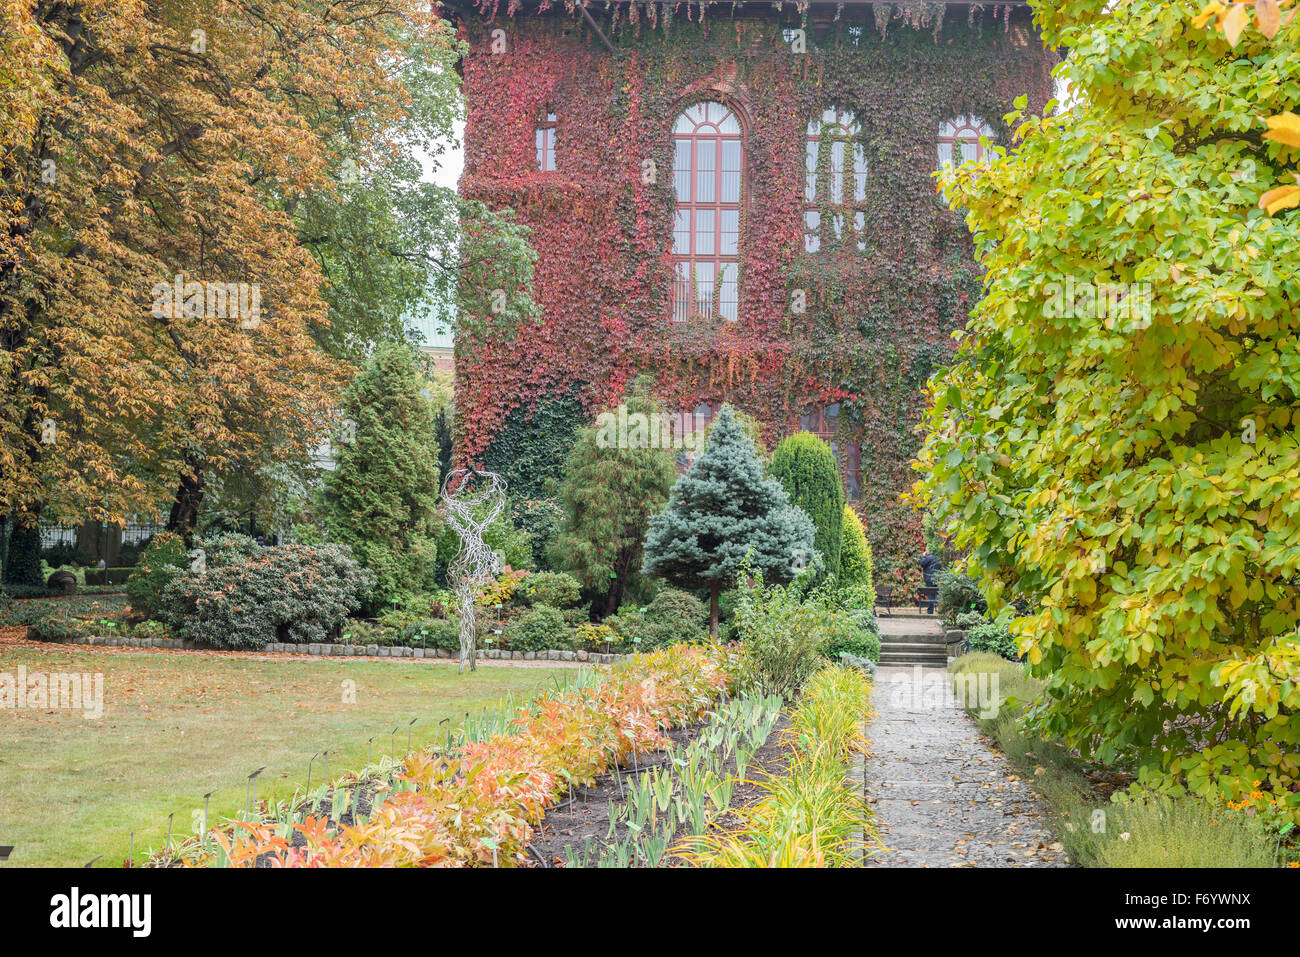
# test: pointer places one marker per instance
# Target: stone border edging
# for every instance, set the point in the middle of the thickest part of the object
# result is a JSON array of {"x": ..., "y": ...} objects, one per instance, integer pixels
[{"x": 325, "y": 649}]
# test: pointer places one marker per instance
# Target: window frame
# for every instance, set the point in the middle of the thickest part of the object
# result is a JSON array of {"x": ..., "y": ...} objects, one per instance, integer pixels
[
  {"x": 963, "y": 122},
  {"x": 714, "y": 133},
  {"x": 545, "y": 136},
  {"x": 822, "y": 211}
]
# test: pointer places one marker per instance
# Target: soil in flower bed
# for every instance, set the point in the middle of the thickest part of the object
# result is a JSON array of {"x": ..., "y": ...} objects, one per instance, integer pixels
[{"x": 572, "y": 823}]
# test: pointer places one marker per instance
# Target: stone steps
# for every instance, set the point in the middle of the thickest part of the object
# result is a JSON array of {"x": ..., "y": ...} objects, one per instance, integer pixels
[{"x": 937, "y": 659}]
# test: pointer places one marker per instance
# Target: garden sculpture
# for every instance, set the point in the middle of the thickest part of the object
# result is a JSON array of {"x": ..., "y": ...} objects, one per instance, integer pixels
[{"x": 471, "y": 501}]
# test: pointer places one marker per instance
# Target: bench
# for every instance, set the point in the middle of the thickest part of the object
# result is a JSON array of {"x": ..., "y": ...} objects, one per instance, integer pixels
[{"x": 927, "y": 595}]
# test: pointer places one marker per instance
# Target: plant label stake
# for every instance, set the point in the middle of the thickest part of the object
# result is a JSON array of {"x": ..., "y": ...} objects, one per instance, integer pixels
[{"x": 250, "y": 793}]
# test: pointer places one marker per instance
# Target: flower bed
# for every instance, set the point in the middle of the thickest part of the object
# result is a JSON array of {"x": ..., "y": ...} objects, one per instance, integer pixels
[{"x": 477, "y": 803}]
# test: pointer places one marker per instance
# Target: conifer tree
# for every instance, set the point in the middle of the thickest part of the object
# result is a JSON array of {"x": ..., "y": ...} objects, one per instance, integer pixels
[
  {"x": 609, "y": 492},
  {"x": 806, "y": 468},
  {"x": 724, "y": 513},
  {"x": 382, "y": 498}
]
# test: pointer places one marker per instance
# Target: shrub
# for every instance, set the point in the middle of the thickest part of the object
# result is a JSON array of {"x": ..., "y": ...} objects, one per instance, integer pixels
[
  {"x": 226, "y": 548},
  {"x": 555, "y": 589},
  {"x": 423, "y": 633},
  {"x": 959, "y": 593},
  {"x": 992, "y": 638},
  {"x": 152, "y": 630},
  {"x": 539, "y": 519},
  {"x": 785, "y": 639},
  {"x": 58, "y": 628},
  {"x": 805, "y": 466},
  {"x": 673, "y": 604},
  {"x": 848, "y": 637},
  {"x": 61, "y": 554},
  {"x": 541, "y": 628},
  {"x": 857, "y": 571},
  {"x": 163, "y": 559},
  {"x": 357, "y": 631},
  {"x": 289, "y": 593}
]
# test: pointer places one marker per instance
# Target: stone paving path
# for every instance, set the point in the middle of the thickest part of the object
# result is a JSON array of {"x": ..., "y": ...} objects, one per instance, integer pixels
[{"x": 942, "y": 797}]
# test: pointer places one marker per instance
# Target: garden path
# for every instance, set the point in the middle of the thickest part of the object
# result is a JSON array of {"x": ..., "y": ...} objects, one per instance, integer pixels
[{"x": 943, "y": 797}]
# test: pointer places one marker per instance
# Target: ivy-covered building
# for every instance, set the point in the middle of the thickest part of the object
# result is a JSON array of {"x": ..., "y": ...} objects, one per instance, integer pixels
[{"x": 737, "y": 198}]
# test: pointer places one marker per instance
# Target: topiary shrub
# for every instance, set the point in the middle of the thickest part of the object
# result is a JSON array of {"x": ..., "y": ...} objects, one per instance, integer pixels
[
  {"x": 162, "y": 560},
  {"x": 541, "y": 628},
  {"x": 289, "y": 593},
  {"x": 806, "y": 468},
  {"x": 959, "y": 593},
  {"x": 856, "y": 571},
  {"x": 557, "y": 589}
]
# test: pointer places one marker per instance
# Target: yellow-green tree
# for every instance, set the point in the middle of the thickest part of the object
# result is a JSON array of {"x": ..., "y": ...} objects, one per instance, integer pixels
[{"x": 1116, "y": 441}]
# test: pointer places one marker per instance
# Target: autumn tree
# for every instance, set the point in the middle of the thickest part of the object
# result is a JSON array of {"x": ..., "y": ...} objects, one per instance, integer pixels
[
  {"x": 161, "y": 310},
  {"x": 612, "y": 485},
  {"x": 1116, "y": 441}
]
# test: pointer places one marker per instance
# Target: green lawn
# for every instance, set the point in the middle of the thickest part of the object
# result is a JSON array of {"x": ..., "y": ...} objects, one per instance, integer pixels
[{"x": 178, "y": 725}]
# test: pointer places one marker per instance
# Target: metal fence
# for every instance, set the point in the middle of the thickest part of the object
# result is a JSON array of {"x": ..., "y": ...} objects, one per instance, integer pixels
[{"x": 133, "y": 533}]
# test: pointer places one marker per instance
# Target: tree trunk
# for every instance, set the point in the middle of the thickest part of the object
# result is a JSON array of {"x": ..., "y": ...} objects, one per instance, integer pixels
[
  {"x": 714, "y": 590},
  {"x": 23, "y": 564},
  {"x": 185, "y": 507}
]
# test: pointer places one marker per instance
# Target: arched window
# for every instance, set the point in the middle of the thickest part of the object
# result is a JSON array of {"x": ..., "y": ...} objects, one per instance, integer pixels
[
  {"x": 546, "y": 127},
  {"x": 835, "y": 181},
  {"x": 959, "y": 140},
  {"x": 707, "y": 164}
]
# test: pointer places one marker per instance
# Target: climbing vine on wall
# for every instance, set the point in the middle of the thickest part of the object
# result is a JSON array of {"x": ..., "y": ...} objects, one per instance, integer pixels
[{"x": 874, "y": 323}]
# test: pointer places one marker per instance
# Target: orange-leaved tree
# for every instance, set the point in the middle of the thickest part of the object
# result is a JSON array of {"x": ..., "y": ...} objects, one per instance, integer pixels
[{"x": 156, "y": 303}]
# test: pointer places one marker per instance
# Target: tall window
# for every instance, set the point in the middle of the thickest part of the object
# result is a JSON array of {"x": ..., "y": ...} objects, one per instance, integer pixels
[
  {"x": 707, "y": 162},
  {"x": 959, "y": 140},
  {"x": 835, "y": 181},
  {"x": 546, "y": 141}
]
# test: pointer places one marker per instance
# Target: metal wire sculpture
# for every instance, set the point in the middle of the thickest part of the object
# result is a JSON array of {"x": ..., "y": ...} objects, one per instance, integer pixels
[{"x": 471, "y": 501}]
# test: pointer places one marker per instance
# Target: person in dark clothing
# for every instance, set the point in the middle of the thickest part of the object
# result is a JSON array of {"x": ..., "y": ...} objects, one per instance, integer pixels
[{"x": 930, "y": 565}]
